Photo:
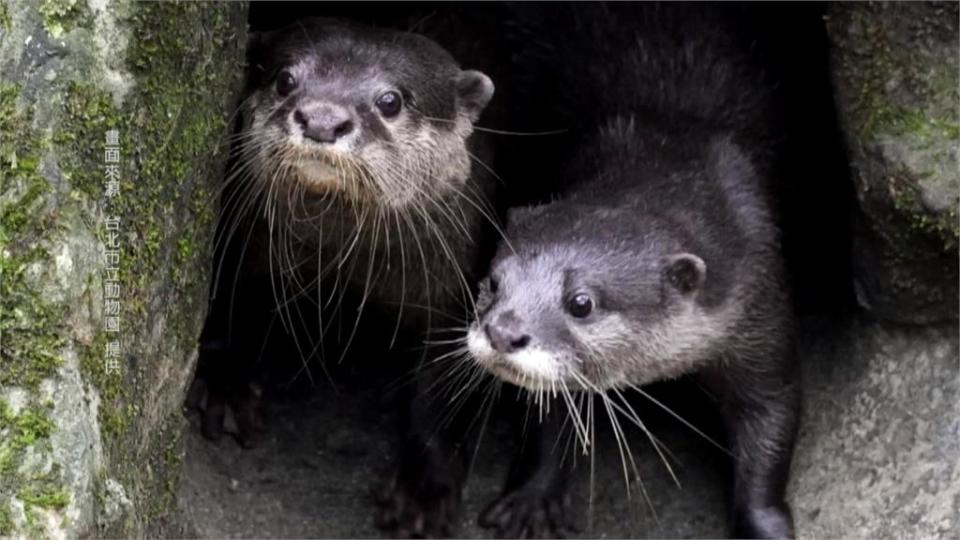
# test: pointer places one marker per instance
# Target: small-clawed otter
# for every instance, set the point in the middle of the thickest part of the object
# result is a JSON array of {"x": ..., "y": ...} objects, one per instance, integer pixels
[
  {"x": 355, "y": 156},
  {"x": 661, "y": 256}
]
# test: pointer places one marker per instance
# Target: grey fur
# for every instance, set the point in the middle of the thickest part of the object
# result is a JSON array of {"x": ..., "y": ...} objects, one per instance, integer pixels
[
  {"x": 665, "y": 222},
  {"x": 397, "y": 205},
  {"x": 617, "y": 243},
  {"x": 390, "y": 212}
]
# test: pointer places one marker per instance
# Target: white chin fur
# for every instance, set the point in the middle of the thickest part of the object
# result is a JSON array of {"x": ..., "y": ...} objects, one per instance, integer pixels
[
  {"x": 531, "y": 367},
  {"x": 317, "y": 172}
]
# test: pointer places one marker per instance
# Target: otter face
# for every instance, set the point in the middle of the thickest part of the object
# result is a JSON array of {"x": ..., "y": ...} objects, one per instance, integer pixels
[
  {"x": 371, "y": 115},
  {"x": 592, "y": 309}
]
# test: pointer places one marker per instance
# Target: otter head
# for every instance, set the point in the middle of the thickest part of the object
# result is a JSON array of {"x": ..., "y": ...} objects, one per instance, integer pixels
[
  {"x": 591, "y": 298},
  {"x": 372, "y": 116}
]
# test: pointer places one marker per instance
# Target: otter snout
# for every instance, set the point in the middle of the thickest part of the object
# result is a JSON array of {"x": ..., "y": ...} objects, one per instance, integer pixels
[
  {"x": 324, "y": 122},
  {"x": 506, "y": 333}
]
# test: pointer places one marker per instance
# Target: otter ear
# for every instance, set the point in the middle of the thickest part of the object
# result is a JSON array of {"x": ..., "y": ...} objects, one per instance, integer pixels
[
  {"x": 474, "y": 90},
  {"x": 685, "y": 272}
]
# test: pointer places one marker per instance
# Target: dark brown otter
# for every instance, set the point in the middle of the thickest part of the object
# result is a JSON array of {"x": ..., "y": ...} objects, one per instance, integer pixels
[
  {"x": 357, "y": 183},
  {"x": 660, "y": 256}
]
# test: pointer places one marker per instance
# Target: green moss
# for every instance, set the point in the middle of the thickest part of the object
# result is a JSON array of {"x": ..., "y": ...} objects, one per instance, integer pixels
[
  {"x": 872, "y": 70},
  {"x": 170, "y": 138},
  {"x": 89, "y": 113},
  {"x": 62, "y": 16},
  {"x": 39, "y": 493},
  {"x": 6, "y": 519},
  {"x": 113, "y": 417},
  {"x": 22, "y": 430},
  {"x": 19, "y": 432},
  {"x": 45, "y": 496},
  {"x": 165, "y": 463},
  {"x": 894, "y": 97},
  {"x": 943, "y": 226},
  {"x": 31, "y": 426},
  {"x": 30, "y": 326},
  {"x": 5, "y": 24},
  {"x": 171, "y": 123}
]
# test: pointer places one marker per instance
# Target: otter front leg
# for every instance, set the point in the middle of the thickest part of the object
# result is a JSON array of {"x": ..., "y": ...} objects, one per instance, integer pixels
[
  {"x": 221, "y": 384},
  {"x": 422, "y": 498},
  {"x": 234, "y": 333},
  {"x": 761, "y": 412},
  {"x": 535, "y": 502}
]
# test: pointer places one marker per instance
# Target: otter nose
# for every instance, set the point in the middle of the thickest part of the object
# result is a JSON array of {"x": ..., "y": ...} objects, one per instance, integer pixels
[
  {"x": 506, "y": 333},
  {"x": 324, "y": 124}
]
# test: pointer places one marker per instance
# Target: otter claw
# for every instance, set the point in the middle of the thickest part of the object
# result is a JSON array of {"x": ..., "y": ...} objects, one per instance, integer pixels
[
  {"x": 404, "y": 513},
  {"x": 422, "y": 499},
  {"x": 530, "y": 514},
  {"x": 238, "y": 415}
]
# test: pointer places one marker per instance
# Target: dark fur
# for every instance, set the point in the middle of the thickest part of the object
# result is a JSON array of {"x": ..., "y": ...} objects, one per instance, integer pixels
[
  {"x": 673, "y": 143},
  {"x": 335, "y": 241}
]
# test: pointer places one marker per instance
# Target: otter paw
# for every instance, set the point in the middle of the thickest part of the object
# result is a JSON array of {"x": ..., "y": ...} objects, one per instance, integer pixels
[
  {"x": 418, "y": 508},
  {"x": 237, "y": 413},
  {"x": 531, "y": 513},
  {"x": 764, "y": 522}
]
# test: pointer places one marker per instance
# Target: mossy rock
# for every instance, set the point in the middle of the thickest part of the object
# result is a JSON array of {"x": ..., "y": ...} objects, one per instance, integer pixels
[
  {"x": 90, "y": 447},
  {"x": 895, "y": 72}
]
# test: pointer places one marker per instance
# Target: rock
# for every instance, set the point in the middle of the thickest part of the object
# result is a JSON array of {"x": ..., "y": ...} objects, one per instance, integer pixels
[
  {"x": 89, "y": 418},
  {"x": 877, "y": 455},
  {"x": 895, "y": 72}
]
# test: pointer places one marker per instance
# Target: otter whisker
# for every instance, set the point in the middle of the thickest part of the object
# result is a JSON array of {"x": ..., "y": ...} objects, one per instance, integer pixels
[
  {"x": 489, "y": 401},
  {"x": 631, "y": 415},
  {"x": 236, "y": 205},
  {"x": 626, "y": 456},
  {"x": 475, "y": 377},
  {"x": 500, "y": 131},
  {"x": 364, "y": 296},
  {"x": 493, "y": 222},
  {"x": 681, "y": 419},
  {"x": 593, "y": 462},
  {"x": 403, "y": 280},
  {"x": 578, "y": 422}
]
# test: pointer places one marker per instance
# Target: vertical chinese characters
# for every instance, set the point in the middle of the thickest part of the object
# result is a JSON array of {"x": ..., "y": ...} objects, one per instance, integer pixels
[{"x": 111, "y": 255}]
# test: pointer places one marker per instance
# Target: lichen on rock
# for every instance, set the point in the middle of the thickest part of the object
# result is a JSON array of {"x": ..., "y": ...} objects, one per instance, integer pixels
[
  {"x": 895, "y": 72},
  {"x": 86, "y": 449}
]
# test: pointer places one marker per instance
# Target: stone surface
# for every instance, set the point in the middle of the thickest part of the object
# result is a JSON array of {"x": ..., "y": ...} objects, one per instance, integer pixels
[
  {"x": 895, "y": 72},
  {"x": 879, "y": 448},
  {"x": 88, "y": 448}
]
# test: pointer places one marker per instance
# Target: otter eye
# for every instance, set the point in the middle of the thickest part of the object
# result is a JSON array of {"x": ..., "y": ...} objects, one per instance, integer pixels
[
  {"x": 494, "y": 285},
  {"x": 286, "y": 83},
  {"x": 580, "y": 305},
  {"x": 389, "y": 103}
]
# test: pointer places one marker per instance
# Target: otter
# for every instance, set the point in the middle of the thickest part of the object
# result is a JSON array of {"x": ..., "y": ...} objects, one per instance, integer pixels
[
  {"x": 359, "y": 184},
  {"x": 660, "y": 255}
]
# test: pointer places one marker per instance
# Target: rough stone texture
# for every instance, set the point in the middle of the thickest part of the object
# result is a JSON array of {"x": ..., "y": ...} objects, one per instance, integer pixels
[
  {"x": 895, "y": 71},
  {"x": 879, "y": 449},
  {"x": 85, "y": 449}
]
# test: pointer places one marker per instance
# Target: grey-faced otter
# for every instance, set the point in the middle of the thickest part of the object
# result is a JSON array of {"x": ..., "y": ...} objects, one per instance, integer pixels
[
  {"x": 355, "y": 158},
  {"x": 659, "y": 258}
]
